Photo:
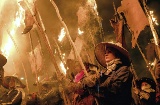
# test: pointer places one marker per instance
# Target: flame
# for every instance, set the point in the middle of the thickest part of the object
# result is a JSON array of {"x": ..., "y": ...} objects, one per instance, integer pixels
[
  {"x": 153, "y": 18},
  {"x": 8, "y": 44},
  {"x": 38, "y": 78},
  {"x": 63, "y": 68},
  {"x": 63, "y": 56},
  {"x": 62, "y": 34},
  {"x": 2, "y": 4},
  {"x": 80, "y": 32},
  {"x": 93, "y": 4}
]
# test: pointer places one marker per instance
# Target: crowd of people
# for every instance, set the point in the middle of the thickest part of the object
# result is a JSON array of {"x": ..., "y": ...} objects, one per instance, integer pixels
[{"x": 113, "y": 85}]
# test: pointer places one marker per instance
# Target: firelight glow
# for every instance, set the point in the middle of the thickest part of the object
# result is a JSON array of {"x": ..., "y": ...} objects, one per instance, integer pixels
[
  {"x": 63, "y": 68},
  {"x": 153, "y": 18},
  {"x": 80, "y": 32},
  {"x": 8, "y": 44},
  {"x": 62, "y": 35}
]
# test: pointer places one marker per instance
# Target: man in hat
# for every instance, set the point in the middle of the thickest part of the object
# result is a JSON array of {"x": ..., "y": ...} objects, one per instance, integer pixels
[
  {"x": 15, "y": 94},
  {"x": 3, "y": 61},
  {"x": 146, "y": 91},
  {"x": 116, "y": 78}
]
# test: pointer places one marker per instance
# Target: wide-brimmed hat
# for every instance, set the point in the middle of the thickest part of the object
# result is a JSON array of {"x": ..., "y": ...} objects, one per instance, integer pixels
[
  {"x": 100, "y": 51},
  {"x": 3, "y": 60},
  {"x": 146, "y": 79}
]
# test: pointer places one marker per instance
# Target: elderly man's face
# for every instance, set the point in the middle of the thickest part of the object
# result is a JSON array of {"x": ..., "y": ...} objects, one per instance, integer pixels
[{"x": 109, "y": 55}]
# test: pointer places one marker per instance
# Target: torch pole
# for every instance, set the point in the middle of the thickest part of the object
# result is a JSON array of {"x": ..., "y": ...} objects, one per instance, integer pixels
[
  {"x": 69, "y": 37},
  {"x": 20, "y": 60}
]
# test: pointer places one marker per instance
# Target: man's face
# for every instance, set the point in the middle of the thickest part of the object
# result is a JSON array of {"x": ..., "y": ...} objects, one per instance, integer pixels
[
  {"x": 109, "y": 55},
  {"x": 12, "y": 83},
  {"x": 145, "y": 85}
]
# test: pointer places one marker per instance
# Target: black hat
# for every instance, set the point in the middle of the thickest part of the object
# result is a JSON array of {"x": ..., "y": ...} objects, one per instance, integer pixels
[
  {"x": 148, "y": 80},
  {"x": 3, "y": 60}
]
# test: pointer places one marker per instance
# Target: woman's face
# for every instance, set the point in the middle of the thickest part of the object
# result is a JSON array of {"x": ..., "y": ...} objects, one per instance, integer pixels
[{"x": 109, "y": 55}]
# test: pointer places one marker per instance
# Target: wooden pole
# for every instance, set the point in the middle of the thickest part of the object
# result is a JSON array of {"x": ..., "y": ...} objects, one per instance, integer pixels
[
  {"x": 20, "y": 60},
  {"x": 47, "y": 43},
  {"x": 32, "y": 51},
  {"x": 45, "y": 39},
  {"x": 69, "y": 37},
  {"x": 154, "y": 32}
]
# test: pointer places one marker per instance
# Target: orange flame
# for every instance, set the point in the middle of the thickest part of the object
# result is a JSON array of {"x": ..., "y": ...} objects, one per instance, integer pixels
[
  {"x": 62, "y": 35},
  {"x": 8, "y": 46},
  {"x": 153, "y": 18}
]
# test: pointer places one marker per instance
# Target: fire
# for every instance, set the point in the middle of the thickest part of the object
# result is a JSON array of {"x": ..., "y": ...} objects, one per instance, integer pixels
[
  {"x": 93, "y": 4},
  {"x": 63, "y": 68},
  {"x": 8, "y": 44},
  {"x": 80, "y": 32},
  {"x": 62, "y": 35},
  {"x": 2, "y": 4},
  {"x": 153, "y": 18}
]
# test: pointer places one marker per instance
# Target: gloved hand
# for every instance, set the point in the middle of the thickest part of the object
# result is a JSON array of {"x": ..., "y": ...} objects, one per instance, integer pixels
[
  {"x": 72, "y": 87},
  {"x": 90, "y": 80}
]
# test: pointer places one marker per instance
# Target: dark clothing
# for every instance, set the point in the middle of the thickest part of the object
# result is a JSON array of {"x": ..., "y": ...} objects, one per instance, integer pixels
[
  {"x": 12, "y": 97},
  {"x": 51, "y": 98},
  {"x": 158, "y": 98},
  {"x": 115, "y": 87},
  {"x": 87, "y": 100},
  {"x": 150, "y": 101}
]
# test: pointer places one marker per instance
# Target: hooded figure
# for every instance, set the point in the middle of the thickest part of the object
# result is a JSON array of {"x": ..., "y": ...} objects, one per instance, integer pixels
[
  {"x": 116, "y": 78},
  {"x": 146, "y": 91}
]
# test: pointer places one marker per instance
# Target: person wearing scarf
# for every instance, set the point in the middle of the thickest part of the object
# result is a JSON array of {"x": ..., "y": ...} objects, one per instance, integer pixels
[{"x": 115, "y": 82}]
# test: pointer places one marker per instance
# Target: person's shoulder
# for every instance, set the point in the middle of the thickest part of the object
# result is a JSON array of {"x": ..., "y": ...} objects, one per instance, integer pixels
[{"x": 123, "y": 67}]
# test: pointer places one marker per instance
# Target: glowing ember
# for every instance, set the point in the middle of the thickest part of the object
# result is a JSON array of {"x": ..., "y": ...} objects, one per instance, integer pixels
[
  {"x": 80, "y": 32},
  {"x": 153, "y": 18},
  {"x": 62, "y": 34},
  {"x": 63, "y": 56},
  {"x": 63, "y": 68}
]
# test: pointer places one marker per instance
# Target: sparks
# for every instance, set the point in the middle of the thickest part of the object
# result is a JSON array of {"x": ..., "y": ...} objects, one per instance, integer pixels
[
  {"x": 80, "y": 32},
  {"x": 62, "y": 34},
  {"x": 63, "y": 68},
  {"x": 153, "y": 18}
]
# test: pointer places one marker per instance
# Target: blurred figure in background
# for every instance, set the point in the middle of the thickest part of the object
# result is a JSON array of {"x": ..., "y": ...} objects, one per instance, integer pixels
[
  {"x": 14, "y": 96},
  {"x": 3, "y": 61},
  {"x": 146, "y": 91}
]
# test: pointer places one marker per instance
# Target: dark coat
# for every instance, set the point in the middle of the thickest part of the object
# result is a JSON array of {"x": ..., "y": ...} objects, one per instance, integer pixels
[
  {"x": 12, "y": 97},
  {"x": 117, "y": 87},
  {"x": 150, "y": 101}
]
